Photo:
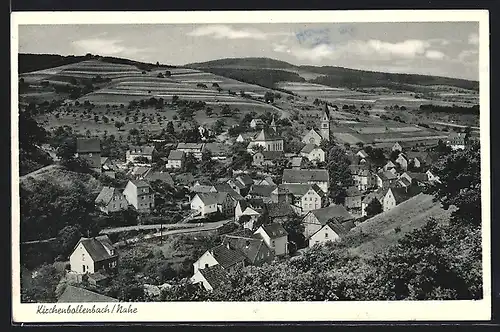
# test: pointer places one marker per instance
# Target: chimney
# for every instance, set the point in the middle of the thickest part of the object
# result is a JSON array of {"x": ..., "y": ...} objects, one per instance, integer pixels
[{"x": 228, "y": 246}]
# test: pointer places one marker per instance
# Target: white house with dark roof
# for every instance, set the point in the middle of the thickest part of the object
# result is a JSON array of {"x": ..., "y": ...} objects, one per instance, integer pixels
[
  {"x": 111, "y": 199},
  {"x": 275, "y": 236},
  {"x": 89, "y": 149},
  {"x": 310, "y": 176},
  {"x": 353, "y": 200},
  {"x": 211, "y": 278},
  {"x": 140, "y": 195},
  {"x": 316, "y": 219},
  {"x": 196, "y": 149},
  {"x": 175, "y": 159},
  {"x": 93, "y": 254},
  {"x": 385, "y": 179},
  {"x": 255, "y": 249},
  {"x": 266, "y": 158},
  {"x": 228, "y": 258},
  {"x": 211, "y": 202},
  {"x": 313, "y": 153},
  {"x": 135, "y": 152},
  {"x": 331, "y": 231},
  {"x": 256, "y": 123},
  {"x": 303, "y": 197},
  {"x": 312, "y": 137}
]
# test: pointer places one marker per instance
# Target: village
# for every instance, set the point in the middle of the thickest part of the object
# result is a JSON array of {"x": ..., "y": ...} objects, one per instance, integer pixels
[{"x": 262, "y": 214}]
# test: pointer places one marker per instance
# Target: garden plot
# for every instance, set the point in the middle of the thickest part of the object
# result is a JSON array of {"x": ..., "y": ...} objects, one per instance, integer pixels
[
  {"x": 347, "y": 138},
  {"x": 404, "y": 129},
  {"x": 371, "y": 130}
]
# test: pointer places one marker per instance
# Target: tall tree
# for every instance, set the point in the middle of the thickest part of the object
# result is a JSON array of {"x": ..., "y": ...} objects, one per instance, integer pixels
[{"x": 340, "y": 175}]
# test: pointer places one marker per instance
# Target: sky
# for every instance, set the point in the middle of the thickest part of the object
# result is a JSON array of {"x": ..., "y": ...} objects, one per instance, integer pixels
[{"x": 448, "y": 49}]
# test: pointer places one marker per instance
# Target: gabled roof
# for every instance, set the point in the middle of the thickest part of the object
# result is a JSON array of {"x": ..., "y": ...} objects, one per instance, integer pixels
[
  {"x": 313, "y": 132},
  {"x": 305, "y": 175},
  {"x": 421, "y": 156},
  {"x": 98, "y": 247},
  {"x": 159, "y": 175},
  {"x": 308, "y": 148},
  {"x": 226, "y": 188},
  {"x": 266, "y": 135},
  {"x": 84, "y": 145},
  {"x": 340, "y": 228},
  {"x": 190, "y": 146},
  {"x": 215, "y": 275},
  {"x": 323, "y": 215},
  {"x": 249, "y": 246},
  {"x": 362, "y": 153},
  {"x": 404, "y": 181},
  {"x": 261, "y": 190},
  {"x": 139, "y": 183},
  {"x": 422, "y": 177},
  {"x": 274, "y": 230},
  {"x": 245, "y": 179},
  {"x": 176, "y": 155},
  {"x": 144, "y": 150},
  {"x": 359, "y": 170},
  {"x": 297, "y": 161},
  {"x": 139, "y": 171},
  {"x": 271, "y": 155},
  {"x": 403, "y": 194},
  {"x": 378, "y": 194},
  {"x": 217, "y": 149},
  {"x": 212, "y": 198},
  {"x": 267, "y": 179},
  {"x": 353, "y": 191},
  {"x": 225, "y": 256},
  {"x": 298, "y": 189},
  {"x": 107, "y": 194},
  {"x": 258, "y": 121},
  {"x": 74, "y": 294},
  {"x": 386, "y": 176},
  {"x": 276, "y": 210}
]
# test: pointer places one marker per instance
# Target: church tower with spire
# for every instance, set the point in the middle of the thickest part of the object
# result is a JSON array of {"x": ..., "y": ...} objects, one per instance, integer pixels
[
  {"x": 273, "y": 125},
  {"x": 325, "y": 124}
]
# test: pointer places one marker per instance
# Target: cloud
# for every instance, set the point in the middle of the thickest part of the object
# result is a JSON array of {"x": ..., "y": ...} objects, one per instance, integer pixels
[
  {"x": 106, "y": 46},
  {"x": 280, "y": 48},
  {"x": 474, "y": 39},
  {"x": 314, "y": 54},
  {"x": 435, "y": 55},
  {"x": 225, "y": 31},
  {"x": 407, "y": 49},
  {"x": 468, "y": 56}
]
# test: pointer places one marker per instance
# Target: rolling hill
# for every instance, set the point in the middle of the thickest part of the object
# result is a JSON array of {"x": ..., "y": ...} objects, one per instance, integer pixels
[{"x": 335, "y": 76}]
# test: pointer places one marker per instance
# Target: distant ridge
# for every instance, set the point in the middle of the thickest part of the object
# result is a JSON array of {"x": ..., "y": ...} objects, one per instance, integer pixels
[{"x": 335, "y": 76}]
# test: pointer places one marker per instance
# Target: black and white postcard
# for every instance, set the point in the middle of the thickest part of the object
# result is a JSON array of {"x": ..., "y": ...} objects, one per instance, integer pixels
[{"x": 250, "y": 166}]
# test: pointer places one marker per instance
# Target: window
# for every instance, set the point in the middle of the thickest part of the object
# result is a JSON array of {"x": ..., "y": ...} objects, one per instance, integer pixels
[
  {"x": 90, "y": 154},
  {"x": 206, "y": 265},
  {"x": 273, "y": 243},
  {"x": 326, "y": 235},
  {"x": 83, "y": 257}
]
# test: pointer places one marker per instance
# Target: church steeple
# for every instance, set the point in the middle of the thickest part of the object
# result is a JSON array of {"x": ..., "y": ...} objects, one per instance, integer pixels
[
  {"x": 273, "y": 125},
  {"x": 325, "y": 124}
]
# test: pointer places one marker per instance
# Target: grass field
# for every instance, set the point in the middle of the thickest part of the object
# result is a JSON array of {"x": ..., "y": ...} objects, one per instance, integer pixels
[{"x": 408, "y": 216}]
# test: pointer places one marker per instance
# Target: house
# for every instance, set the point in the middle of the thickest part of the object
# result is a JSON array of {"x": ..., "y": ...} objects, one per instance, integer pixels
[
  {"x": 228, "y": 258},
  {"x": 89, "y": 149},
  {"x": 362, "y": 154},
  {"x": 432, "y": 178},
  {"x": 312, "y": 137},
  {"x": 255, "y": 249},
  {"x": 219, "y": 151},
  {"x": 316, "y": 219},
  {"x": 111, "y": 199},
  {"x": 245, "y": 179},
  {"x": 226, "y": 188},
  {"x": 244, "y": 137},
  {"x": 390, "y": 166},
  {"x": 196, "y": 149},
  {"x": 268, "y": 140},
  {"x": 331, "y": 231},
  {"x": 385, "y": 179},
  {"x": 175, "y": 159},
  {"x": 419, "y": 159},
  {"x": 297, "y": 162},
  {"x": 108, "y": 165},
  {"x": 93, "y": 254},
  {"x": 397, "y": 147},
  {"x": 162, "y": 176},
  {"x": 73, "y": 294},
  {"x": 263, "y": 192},
  {"x": 256, "y": 123},
  {"x": 303, "y": 197},
  {"x": 353, "y": 200},
  {"x": 279, "y": 212},
  {"x": 420, "y": 179},
  {"x": 266, "y": 158},
  {"x": 275, "y": 236},
  {"x": 267, "y": 181},
  {"x": 212, "y": 277},
  {"x": 403, "y": 161},
  {"x": 140, "y": 195},
  {"x": 138, "y": 172},
  {"x": 309, "y": 176},
  {"x": 204, "y": 132},
  {"x": 208, "y": 203},
  {"x": 361, "y": 176},
  {"x": 456, "y": 141},
  {"x": 140, "y": 152},
  {"x": 245, "y": 208},
  {"x": 396, "y": 196},
  {"x": 313, "y": 153},
  {"x": 377, "y": 194}
]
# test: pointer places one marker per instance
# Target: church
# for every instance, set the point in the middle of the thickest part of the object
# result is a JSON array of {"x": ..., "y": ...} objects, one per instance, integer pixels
[
  {"x": 269, "y": 139},
  {"x": 315, "y": 137}
]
